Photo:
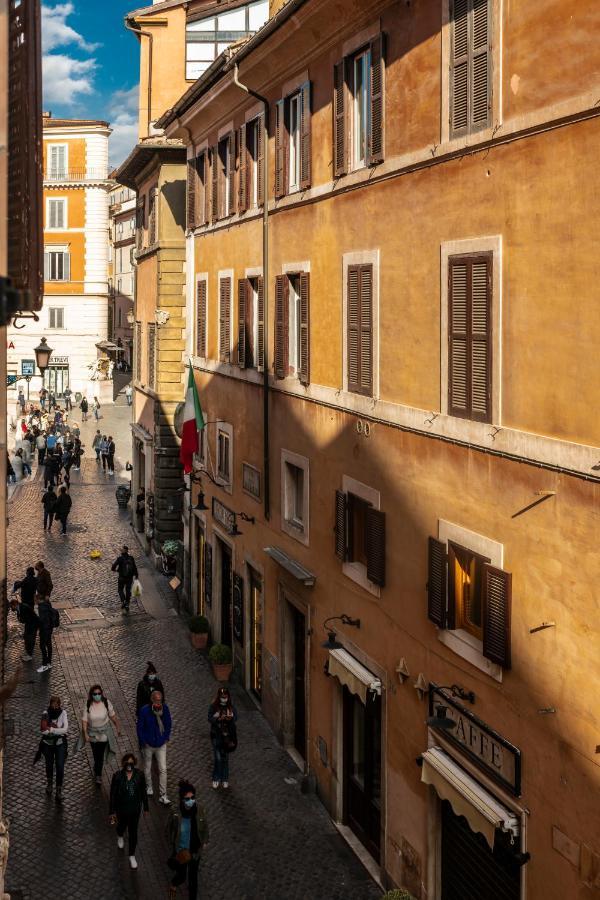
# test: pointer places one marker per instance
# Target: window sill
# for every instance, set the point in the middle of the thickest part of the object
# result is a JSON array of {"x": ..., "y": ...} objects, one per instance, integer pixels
[
  {"x": 295, "y": 531},
  {"x": 224, "y": 484},
  {"x": 357, "y": 573},
  {"x": 469, "y": 648}
]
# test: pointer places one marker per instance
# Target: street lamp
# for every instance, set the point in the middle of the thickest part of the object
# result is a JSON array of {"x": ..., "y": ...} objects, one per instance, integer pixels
[
  {"x": 130, "y": 317},
  {"x": 42, "y": 355}
]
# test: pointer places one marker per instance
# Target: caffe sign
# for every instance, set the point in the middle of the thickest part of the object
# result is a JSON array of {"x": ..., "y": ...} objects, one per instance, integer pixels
[{"x": 486, "y": 748}]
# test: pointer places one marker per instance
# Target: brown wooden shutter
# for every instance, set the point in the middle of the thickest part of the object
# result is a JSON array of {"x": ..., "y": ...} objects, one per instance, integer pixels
[
  {"x": 353, "y": 328},
  {"x": 231, "y": 174},
  {"x": 304, "y": 374},
  {"x": 242, "y": 289},
  {"x": 305, "y": 136},
  {"x": 481, "y": 93},
  {"x": 152, "y": 217},
  {"x": 470, "y": 337},
  {"x": 496, "y": 606},
  {"x": 191, "y": 193},
  {"x": 281, "y": 330},
  {"x": 470, "y": 68},
  {"x": 214, "y": 165},
  {"x": 377, "y": 123},
  {"x": 341, "y": 532},
  {"x": 261, "y": 362},
  {"x": 451, "y": 590},
  {"x": 262, "y": 174},
  {"x": 340, "y": 119},
  {"x": 458, "y": 338},
  {"x": 459, "y": 69},
  {"x": 243, "y": 170},
  {"x": 201, "y": 318},
  {"x": 481, "y": 342},
  {"x": 201, "y": 193},
  {"x": 225, "y": 320},
  {"x": 140, "y": 221},
  {"x": 366, "y": 330},
  {"x": 436, "y": 583},
  {"x": 375, "y": 540},
  {"x": 280, "y": 150}
]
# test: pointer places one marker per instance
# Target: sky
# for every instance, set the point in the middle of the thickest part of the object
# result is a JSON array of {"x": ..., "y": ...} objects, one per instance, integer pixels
[{"x": 90, "y": 66}]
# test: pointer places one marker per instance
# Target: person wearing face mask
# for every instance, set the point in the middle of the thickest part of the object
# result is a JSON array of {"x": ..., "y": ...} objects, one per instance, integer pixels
[
  {"x": 187, "y": 833},
  {"x": 98, "y": 725},
  {"x": 127, "y": 799},
  {"x": 154, "y": 732},
  {"x": 53, "y": 745},
  {"x": 222, "y": 716},
  {"x": 150, "y": 682}
]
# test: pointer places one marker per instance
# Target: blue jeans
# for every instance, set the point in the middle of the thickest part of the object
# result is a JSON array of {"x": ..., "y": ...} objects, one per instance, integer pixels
[
  {"x": 26, "y": 469},
  {"x": 221, "y": 762}
]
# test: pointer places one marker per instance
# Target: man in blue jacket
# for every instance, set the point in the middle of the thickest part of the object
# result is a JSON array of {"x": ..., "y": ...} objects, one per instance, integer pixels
[{"x": 154, "y": 732}]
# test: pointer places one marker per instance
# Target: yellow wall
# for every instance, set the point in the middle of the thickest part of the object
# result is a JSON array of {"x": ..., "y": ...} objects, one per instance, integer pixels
[
  {"x": 168, "y": 64},
  {"x": 76, "y": 154}
]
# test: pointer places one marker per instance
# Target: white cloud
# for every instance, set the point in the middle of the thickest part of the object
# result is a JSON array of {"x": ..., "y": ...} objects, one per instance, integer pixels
[
  {"x": 66, "y": 79},
  {"x": 124, "y": 122},
  {"x": 56, "y": 32}
]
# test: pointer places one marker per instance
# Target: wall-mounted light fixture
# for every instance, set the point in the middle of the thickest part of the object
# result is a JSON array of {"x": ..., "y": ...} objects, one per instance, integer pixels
[
  {"x": 332, "y": 643},
  {"x": 441, "y": 720}
]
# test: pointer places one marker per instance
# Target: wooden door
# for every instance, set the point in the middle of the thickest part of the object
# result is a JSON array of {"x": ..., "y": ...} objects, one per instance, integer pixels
[{"x": 362, "y": 769}]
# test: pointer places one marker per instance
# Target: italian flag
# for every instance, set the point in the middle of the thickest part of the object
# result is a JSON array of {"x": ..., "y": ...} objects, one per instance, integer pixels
[{"x": 193, "y": 422}]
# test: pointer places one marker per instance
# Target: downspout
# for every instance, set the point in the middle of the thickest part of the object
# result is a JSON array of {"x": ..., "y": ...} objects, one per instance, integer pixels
[
  {"x": 150, "y": 37},
  {"x": 266, "y": 454}
]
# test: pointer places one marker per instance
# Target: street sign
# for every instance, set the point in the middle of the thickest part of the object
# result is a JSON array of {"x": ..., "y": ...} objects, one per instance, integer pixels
[
  {"x": 27, "y": 367},
  {"x": 10, "y": 380}
]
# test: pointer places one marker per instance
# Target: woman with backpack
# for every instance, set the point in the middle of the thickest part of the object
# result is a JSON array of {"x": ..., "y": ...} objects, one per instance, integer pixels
[
  {"x": 222, "y": 716},
  {"x": 98, "y": 726},
  {"x": 48, "y": 620},
  {"x": 53, "y": 745}
]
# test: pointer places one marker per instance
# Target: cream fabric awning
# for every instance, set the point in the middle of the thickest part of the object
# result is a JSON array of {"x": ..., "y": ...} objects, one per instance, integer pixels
[
  {"x": 353, "y": 674},
  {"x": 482, "y": 811}
]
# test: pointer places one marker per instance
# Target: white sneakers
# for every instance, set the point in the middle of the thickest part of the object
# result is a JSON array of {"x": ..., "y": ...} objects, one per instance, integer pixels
[
  {"x": 149, "y": 790},
  {"x": 120, "y": 843},
  {"x": 45, "y": 668},
  {"x": 225, "y": 784},
  {"x": 216, "y": 784},
  {"x": 164, "y": 800},
  {"x": 133, "y": 862}
]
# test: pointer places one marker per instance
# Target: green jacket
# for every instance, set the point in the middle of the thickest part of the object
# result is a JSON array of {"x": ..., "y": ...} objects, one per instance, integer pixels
[{"x": 199, "y": 831}]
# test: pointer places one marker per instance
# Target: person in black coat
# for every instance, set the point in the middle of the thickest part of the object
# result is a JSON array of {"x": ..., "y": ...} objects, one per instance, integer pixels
[
  {"x": 63, "y": 508},
  {"x": 26, "y": 613},
  {"x": 49, "y": 468},
  {"x": 27, "y": 586},
  {"x": 49, "y": 499},
  {"x": 149, "y": 683},
  {"x": 127, "y": 570},
  {"x": 45, "y": 616},
  {"x": 127, "y": 799}
]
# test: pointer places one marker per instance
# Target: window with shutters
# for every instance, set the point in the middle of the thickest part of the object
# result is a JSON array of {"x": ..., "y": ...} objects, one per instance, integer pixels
[
  {"x": 250, "y": 322},
  {"x": 56, "y": 213},
  {"x": 56, "y": 317},
  {"x": 358, "y": 109},
  {"x": 225, "y": 161},
  {"x": 57, "y": 264},
  {"x": 292, "y": 326},
  {"x": 359, "y": 329},
  {"x": 360, "y": 534},
  {"x": 225, "y": 455},
  {"x": 295, "y": 495},
  {"x": 470, "y": 336},
  {"x": 201, "y": 316},
  {"x": 57, "y": 161},
  {"x": 140, "y": 216},
  {"x": 469, "y": 597},
  {"x": 152, "y": 217},
  {"x": 138, "y": 351},
  {"x": 293, "y": 142},
  {"x": 251, "y": 161},
  {"x": 225, "y": 297},
  {"x": 470, "y": 66},
  {"x": 152, "y": 355}
]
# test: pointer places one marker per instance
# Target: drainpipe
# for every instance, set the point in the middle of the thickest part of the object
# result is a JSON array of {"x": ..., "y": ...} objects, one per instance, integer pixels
[
  {"x": 265, "y": 360},
  {"x": 138, "y": 31}
]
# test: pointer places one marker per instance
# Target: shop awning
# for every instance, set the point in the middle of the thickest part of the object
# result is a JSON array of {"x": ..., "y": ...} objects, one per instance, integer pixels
[
  {"x": 466, "y": 796},
  {"x": 353, "y": 674}
]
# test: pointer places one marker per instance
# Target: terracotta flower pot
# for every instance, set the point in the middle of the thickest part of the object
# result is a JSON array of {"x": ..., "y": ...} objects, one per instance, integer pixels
[
  {"x": 199, "y": 641},
  {"x": 222, "y": 671}
]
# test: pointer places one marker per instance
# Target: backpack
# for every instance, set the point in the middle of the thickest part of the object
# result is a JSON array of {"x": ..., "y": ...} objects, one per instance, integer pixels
[
  {"x": 54, "y": 617},
  {"x": 229, "y": 740},
  {"x": 128, "y": 567}
]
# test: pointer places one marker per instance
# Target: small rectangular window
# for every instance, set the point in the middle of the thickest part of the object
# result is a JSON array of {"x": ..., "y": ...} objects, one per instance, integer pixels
[
  {"x": 57, "y": 161},
  {"x": 56, "y": 317},
  {"x": 294, "y": 495},
  {"x": 465, "y": 585},
  {"x": 57, "y": 213},
  {"x": 294, "y": 325},
  {"x": 252, "y": 138},
  {"x": 361, "y": 106},
  {"x": 56, "y": 265},
  {"x": 294, "y": 113},
  {"x": 223, "y": 446}
]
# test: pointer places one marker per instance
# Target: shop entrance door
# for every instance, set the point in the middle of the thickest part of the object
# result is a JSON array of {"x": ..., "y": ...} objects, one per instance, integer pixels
[
  {"x": 470, "y": 869},
  {"x": 299, "y": 626},
  {"x": 57, "y": 379},
  {"x": 362, "y": 769},
  {"x": 226, "y": 593},
  {"x": 200, "y": 550}
]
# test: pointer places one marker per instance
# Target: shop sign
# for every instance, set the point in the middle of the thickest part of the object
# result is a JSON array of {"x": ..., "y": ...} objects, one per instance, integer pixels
[
  {"x": 59, "y": 360},
  {"x": 224, "y": 516},
  {"x": 492, "y": 753},
  {"x": 10, "y": 345}
]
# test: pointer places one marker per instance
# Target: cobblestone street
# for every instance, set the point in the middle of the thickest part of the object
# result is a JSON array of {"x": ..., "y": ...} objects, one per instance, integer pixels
[{"x": 268, "y": 840}]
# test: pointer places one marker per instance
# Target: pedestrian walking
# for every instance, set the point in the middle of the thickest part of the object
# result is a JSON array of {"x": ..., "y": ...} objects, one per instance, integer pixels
[
  {"x": 51, "y": 401},
  {"x": 49, "y": 468},
  {"x": 21, "y": 400},
  {"x": 96, "y": 444},
  {"x": 10, "y": 472},
  {"x": 43, "y": 396},
  {"x": 67, "y": 395},
  {"x": 49, "y": 503},
  {"x": 44, "y": 585},
  {"x": 150, "y": 682},
  {"x": 128, "y": 796},
  {"x": 78, "y": 451},
  {"x": 98, "y": 726},
  {"x": 63, "y": 508},
  {"x": 110, "y": 455},
  {"x": 83, "y": 406},
  {"x": 17, "y": 465},
  {"x": 129, "y": 394},
  {"x": 154, "y": 733},
  {"x": 67, "y": 462},
  {"x": 50, "y": 441},
  {"x": 53, "y": 745},
  {"x": 104, "y": 452},
  {"x": 96, "y": 408},
  {"x": 40, "y": 444},
  {"x": 222, "y": 716},
  {"x": 24, "y": 453},
  {"x": 27, "y": 586},
  {"x": 127, "y": 570},
  {"x": 187, "y": 834},
  {"x": 26, "y": 613},
  {"x": 47, "y": 619}
]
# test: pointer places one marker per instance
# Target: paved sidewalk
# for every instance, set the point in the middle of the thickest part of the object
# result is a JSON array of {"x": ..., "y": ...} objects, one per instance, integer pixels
[{"x": 268, "y": 841}]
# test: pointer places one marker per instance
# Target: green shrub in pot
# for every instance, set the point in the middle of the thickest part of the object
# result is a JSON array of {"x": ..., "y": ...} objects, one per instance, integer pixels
[
  {"x": 220, "y": 655},
  {"x": 198, "y": 624}
]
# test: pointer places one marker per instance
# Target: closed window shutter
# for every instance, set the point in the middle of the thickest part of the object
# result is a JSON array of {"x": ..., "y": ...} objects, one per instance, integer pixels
[
  {"x": 201, "y": 318},
  {"x": 191, "y": 193},
  {"x": 280, "y": 147},
  {"x": 469, "y": 337},
  {"x": 376, "y": 129},
  {"x": 496, "y": 607},
  {"x": 366, "y": 330},
  {"x": 340, "y": 120},
  {"x": 281, "y": 304},
  {"x": 60, "y": 214},
  {"x": 261, "y": 361},
  {"x": 470, "y": 81},
  {"x": 459, "y": 75},
  {"x": 262, "y": 175},
  {"x": 67, "y": 266},
  {"x": 341, "y": 529},
  {"x": 243, "y": 169},
  {"x": 231, "y": 173},
  {"x": 436, "y": 582},
  {"x": 353, "y": 339},
  {"x": 305, "y": 136},
  {"x": 201, "y": 165},
  {"x": 242, "y": 288},
  {"x": 376, "y": 546},
  {"x": 304, "y": 374},
  {"x": 458, "y": 368},
  {"x": 152, "y": 234},
  {"x": 480, "y": 74},
  {"x": 225, "y": 319},
  {"x": 46, "y": 266},
  {"x": 214, "y": 166}
]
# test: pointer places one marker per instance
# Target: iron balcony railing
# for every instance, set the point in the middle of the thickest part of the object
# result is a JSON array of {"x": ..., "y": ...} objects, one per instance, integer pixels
[{"x": 77, "y": 175}]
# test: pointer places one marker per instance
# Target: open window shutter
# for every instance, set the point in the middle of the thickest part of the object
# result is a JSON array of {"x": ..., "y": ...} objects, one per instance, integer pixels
[
  {"x": 227, "y": 289},
  {"x": 481, "y": 93},
  {"x": 242, "y": 288},
  {"x": 201, "y": 318},
  {"x": 262, "y": 175},
  {"x": 353, "y": 325},
  {"x": 496, "y": 595},
  {"x": 376, "y": 546},
  {"x": 281, "y": 293},
  {"x": 231, "y": 175},
  {"x": 243, "y": 168},
  {"x": 459, "y": 68},
  {"x": 201, "y": 166},
  {"x": 304, "y": 374},
  {"x": 46, "y": 266},
  {"x": 340, "y": 122},
  {"x": 458, "y": 356},
  {"x": 191, "y": 193},
  {"x": 450, "y": 590},
  {"x": 261, "y": 362},
  {"x": 214, "y": 167},
  {"x": 436, "y": 583},
  {"x": 366, "y": 330},
  {"x": 341, "y": 533},
  {"x": 67, "y": 266},
  {"x": 280, "y": 160},
  {"x": 222, "y": 323},
  {"x": 305, "y": 136},
  {"x": 377, "y": 123}
]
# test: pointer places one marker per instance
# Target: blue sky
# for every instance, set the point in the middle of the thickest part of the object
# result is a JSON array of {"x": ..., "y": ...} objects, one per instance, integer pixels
[{"x": 91, "y": 66}]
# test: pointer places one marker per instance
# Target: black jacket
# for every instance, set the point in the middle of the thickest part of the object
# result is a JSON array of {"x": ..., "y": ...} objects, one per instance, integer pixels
[
  {"x": 83, "y": 406},
  {"x": 49, "y": 500},
  {"x": 28, "y": 617},
  {"x": 120, "y": 799},
  {"x": 27, "y": 586},
  {"x": 43, "y": 583},
  {"x": 44, "y": 614},
  {"x": 144, "y": 689},
  {"x": 125, "y": 566},
  {"x": 63, "y": 506}
]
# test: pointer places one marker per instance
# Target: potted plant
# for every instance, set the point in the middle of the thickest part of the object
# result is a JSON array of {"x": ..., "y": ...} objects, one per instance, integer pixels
[
  {"x": 220, "y": 657},
  {"x": 198, "y": 626}
]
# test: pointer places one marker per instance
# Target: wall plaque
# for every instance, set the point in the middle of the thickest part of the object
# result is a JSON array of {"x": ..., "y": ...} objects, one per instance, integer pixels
[
  {"x": 224, "y": 516},
  {"x": 251, "y": 480}
]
